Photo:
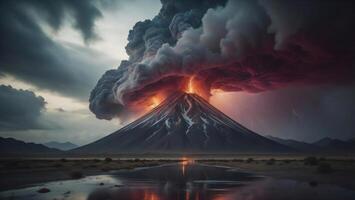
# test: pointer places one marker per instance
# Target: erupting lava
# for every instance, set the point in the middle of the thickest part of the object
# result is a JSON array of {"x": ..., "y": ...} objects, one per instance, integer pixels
[
  {"x": 194, "y": 85},
  {"x": 190, "y": 87}
]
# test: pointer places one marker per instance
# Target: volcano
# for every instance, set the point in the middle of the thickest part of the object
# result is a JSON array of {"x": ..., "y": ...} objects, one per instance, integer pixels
[{"x": 183, "y": 123}]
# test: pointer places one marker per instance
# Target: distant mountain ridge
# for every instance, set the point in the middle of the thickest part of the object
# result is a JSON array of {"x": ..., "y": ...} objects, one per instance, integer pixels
[
  {"x": 336, "y": 145},
  {"x": 324, "y": 145},
  {"x": 64, "y": 146},
  {"x": 10, "y": 146},
  {"x": 16, "y": 147},
  {"x": 298, "y": 145}
]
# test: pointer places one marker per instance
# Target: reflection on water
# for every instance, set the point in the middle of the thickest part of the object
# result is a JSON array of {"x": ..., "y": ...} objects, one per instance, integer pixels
[
  {"x": 184, "y": 163},
  {"x": 184, "y": 181}
]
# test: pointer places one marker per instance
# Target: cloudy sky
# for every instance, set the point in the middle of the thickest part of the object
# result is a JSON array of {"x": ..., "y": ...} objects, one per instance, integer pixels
[{"x": 54, "y": 52}]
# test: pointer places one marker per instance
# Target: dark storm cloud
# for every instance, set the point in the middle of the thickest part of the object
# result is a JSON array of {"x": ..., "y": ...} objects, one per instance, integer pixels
[
  {"x": 304, "y": 113},
  {"x": 251, "y": 46},
  {"x": 20, "y": 109},
  {"x": 29, "y": 54},
  {"x": 83, "y": 12}
]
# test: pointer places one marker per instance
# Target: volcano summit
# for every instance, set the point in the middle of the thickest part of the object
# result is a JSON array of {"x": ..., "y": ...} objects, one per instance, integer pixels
[{"x": 183, "y": 123}]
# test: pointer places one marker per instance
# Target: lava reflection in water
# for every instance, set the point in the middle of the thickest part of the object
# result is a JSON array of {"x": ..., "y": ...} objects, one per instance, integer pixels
[
  {"x": 148, "y": 195},
  {"x": 167, "y": 182},
  {"x": 184, "y": 164}
]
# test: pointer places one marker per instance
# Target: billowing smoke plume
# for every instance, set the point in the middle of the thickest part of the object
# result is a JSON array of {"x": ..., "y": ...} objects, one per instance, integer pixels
[{"x": 239, "y": 45}]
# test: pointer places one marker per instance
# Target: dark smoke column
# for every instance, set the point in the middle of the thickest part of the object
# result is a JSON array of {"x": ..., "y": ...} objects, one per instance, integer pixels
[{"x": 251, "y": 46}]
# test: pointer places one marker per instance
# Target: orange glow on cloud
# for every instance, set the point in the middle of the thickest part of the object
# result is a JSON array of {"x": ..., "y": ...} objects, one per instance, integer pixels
[
  {"x": 155, "y": 101},
  {"x": 216, "y": 91},
  {"x": 144, "y": 106},
  {"x": 221, "y": 100},
  {"x": 192, "y": 85}
]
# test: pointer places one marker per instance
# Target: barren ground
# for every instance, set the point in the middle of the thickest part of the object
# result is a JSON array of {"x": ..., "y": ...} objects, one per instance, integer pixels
[{"x": 18, "y": 173}]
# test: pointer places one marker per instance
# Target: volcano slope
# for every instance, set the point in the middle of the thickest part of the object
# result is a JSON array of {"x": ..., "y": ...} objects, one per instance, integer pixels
[{"x": 183, "y": 123}]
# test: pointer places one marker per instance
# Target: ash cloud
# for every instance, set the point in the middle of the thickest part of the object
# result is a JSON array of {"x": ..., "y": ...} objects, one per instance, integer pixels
[{"x": 251, "y": 46}]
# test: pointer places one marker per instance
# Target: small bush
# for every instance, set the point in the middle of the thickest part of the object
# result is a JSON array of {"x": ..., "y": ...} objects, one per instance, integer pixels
[
  {"x": 43, "y": 190},
  {"x": 249, "y": 160},
  {"x": 63, "y": 160},
  {"x": 76, "y": 175},
  {"x": 12, "y": 164},
  {"x": 57, "y": 165},
  {"x": 310, "y": 160},
  {"x": 105, "y": 169},
  {"x": 108, "y": 159},
  {"x": 271, "y": 161},
  {"x": 322, "y": 159},
  {"x": 96, "y": 160},
  {"x": 286, "y": 161},
  {"x": 325, "y": 168}
]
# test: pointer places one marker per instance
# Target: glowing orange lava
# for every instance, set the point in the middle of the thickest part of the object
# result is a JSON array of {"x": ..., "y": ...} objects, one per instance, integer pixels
[
  {"x": 195, "y": 85},
  {"x": 190, "y": 86}
]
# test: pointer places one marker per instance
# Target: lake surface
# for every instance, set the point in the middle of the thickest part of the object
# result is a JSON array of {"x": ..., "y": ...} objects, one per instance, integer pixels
[{"x": 181, "y": 181}]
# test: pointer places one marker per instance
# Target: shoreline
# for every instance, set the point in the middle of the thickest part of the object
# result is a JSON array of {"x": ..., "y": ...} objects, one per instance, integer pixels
[
  {"x": 342, "y": 174},
  {"x": 16, "y": 174}
]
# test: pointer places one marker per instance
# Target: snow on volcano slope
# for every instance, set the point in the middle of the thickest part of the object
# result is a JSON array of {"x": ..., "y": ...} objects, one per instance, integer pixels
[{"x": 183, "y": 123}]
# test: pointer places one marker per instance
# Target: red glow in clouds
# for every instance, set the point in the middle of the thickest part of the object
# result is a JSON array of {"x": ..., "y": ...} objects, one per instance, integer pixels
[
  {"x": 155, "y": 101},
  {"x": 190, "y": 85}
]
